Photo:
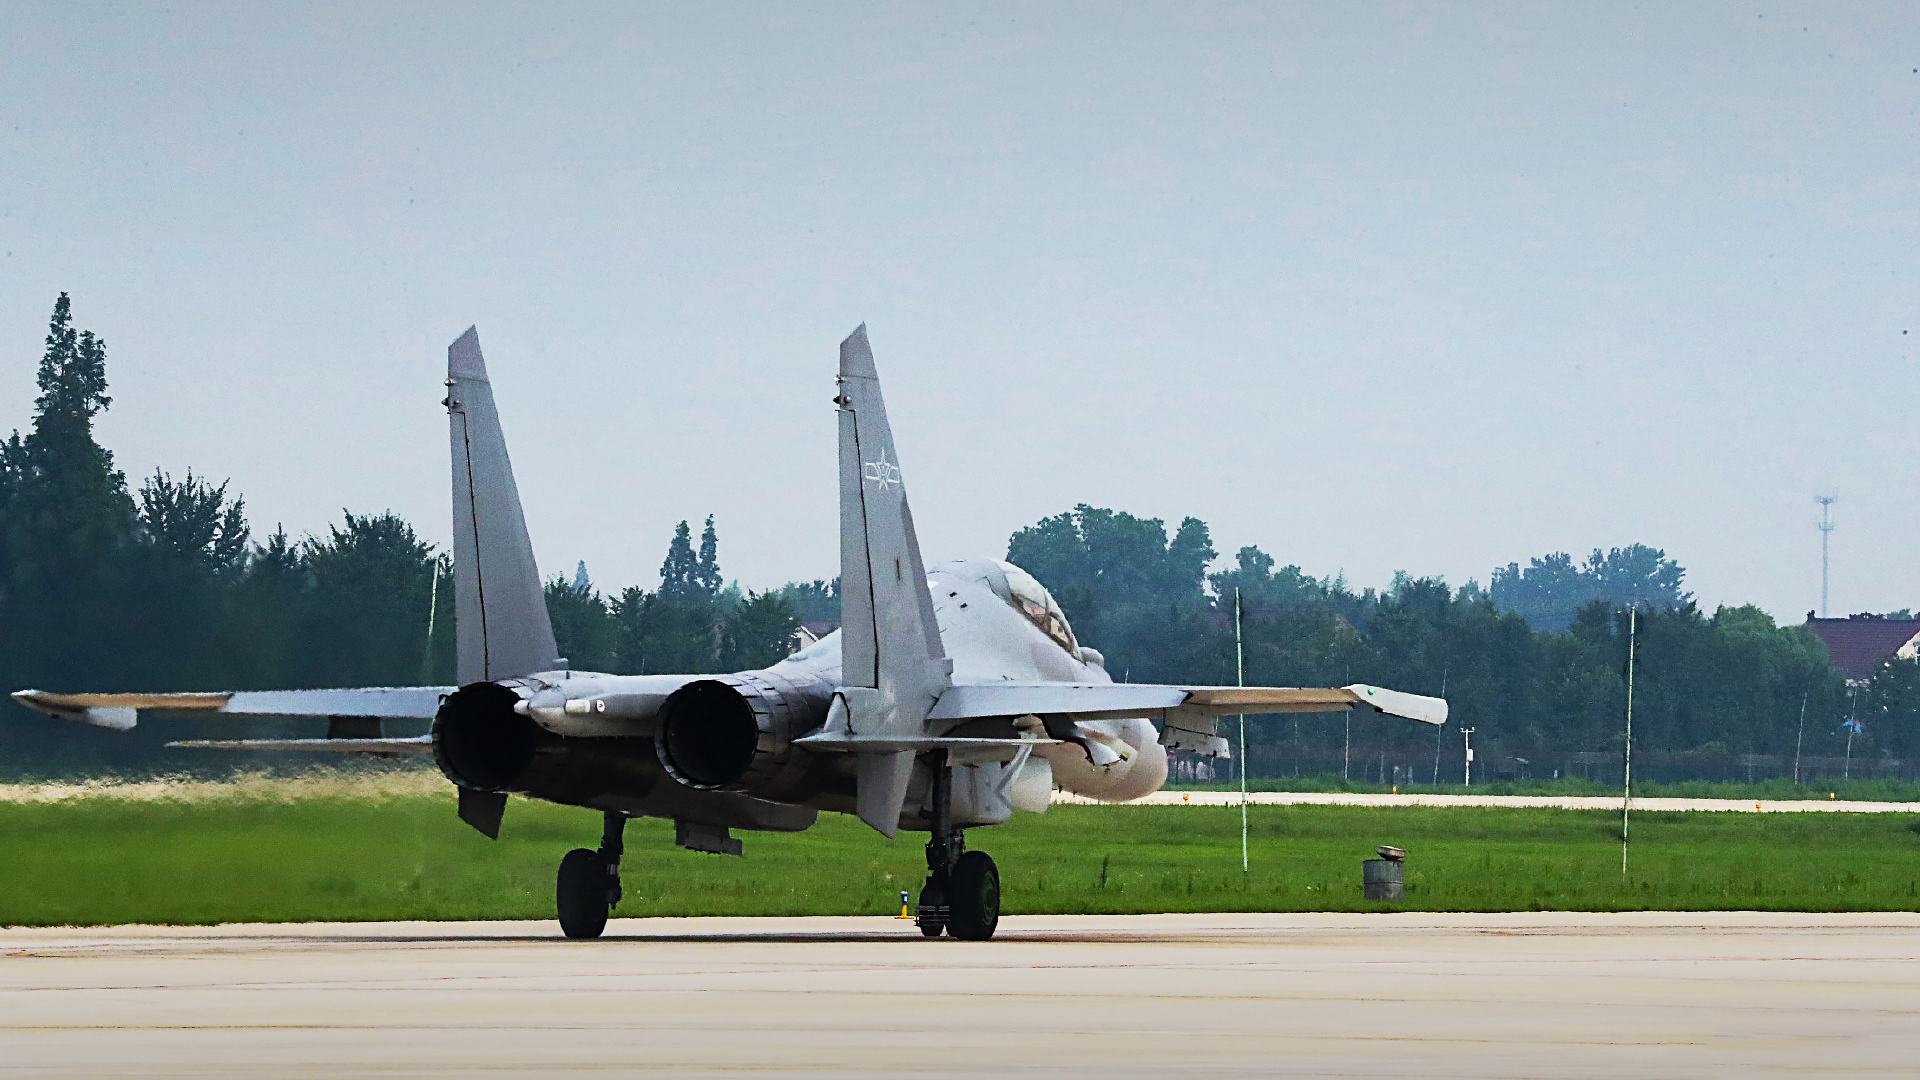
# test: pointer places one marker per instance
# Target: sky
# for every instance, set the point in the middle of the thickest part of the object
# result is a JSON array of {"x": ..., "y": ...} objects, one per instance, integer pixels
[{"x": 1374, "y": 287}]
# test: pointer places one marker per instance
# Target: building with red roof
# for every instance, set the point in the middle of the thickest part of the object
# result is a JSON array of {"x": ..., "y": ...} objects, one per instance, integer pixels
[{"x": 1860, "y": 645}]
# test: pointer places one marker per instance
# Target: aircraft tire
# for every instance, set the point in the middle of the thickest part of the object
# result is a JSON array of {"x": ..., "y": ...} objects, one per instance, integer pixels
[
  {"x": 932, "y": 896},
  {"x": 580, "y": 894},
  {"x": 973, "y": 897}
]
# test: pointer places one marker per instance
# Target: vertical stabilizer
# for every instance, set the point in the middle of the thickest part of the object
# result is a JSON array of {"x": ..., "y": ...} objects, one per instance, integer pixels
[
  {"x": 889, "y": 639},
  {"x": 501, "y": 612}
]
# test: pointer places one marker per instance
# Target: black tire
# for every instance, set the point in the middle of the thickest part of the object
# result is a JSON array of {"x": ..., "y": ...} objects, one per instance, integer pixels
[
  {"x": 973, "y": 897},
  {"x": 580, "y": 893},
  {"x": 932, "y": 897}
]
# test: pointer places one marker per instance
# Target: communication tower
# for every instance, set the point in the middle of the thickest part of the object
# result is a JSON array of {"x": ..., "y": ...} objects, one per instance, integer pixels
[{"x": 1826, "y": 526}]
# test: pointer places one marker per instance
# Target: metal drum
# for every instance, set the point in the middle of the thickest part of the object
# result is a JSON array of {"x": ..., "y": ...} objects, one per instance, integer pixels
[{"x": 1385, "y": 878}]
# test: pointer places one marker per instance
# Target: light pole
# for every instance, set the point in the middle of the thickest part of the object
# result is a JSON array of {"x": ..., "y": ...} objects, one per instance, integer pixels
[
  {"x": 1466, "y": 742},
  {"x": 1800, "y": 735}
]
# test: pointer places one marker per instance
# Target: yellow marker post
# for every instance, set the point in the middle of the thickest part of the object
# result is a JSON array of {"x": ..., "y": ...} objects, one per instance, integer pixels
[{"x": 904, "y": 912}]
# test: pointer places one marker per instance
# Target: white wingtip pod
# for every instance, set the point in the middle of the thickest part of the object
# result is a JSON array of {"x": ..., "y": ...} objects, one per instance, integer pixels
[{"x": 1427, "y": 710}]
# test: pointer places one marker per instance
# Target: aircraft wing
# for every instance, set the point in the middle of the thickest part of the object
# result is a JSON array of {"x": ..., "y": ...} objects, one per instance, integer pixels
[
  {"x": 355, "y": 712},
  {"x": 1188, "y": 714}
]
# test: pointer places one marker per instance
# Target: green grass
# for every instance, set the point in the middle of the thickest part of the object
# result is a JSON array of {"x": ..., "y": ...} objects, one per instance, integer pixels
[
  {"x": 246, "y": 858},
  {"x": 1775, "y": 790}
]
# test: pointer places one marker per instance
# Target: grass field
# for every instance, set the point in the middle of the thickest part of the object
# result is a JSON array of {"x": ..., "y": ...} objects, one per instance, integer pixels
[
  {"x": 374, "y": 849},
  {"x": 1777, "y": 790}
]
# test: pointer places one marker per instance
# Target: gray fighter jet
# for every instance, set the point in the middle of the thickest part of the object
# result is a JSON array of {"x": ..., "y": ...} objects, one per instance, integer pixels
[{"x": 947, "y": 700}]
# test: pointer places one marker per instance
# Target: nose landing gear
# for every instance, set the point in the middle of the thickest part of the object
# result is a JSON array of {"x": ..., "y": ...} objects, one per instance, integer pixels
[
  {"x": 962, "y": 895},
  {"x": 588, "y": 885}
]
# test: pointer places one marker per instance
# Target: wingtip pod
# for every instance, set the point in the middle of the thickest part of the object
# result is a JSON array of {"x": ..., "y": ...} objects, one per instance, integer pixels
[
  {"x": 1427, "y": 710},
  {"x": 78, "y": 708},
  {"x": 463, "y": 357}
]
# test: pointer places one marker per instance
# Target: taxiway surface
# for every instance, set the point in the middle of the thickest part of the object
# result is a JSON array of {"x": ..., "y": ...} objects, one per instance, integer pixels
[{"x": 1423, "y": 995}]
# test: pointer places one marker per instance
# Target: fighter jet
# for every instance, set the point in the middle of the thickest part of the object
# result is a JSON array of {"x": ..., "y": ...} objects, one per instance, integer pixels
[{"x": 946, "y": 700}]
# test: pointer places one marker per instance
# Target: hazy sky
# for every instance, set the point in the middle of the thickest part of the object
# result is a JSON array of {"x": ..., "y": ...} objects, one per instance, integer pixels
[{"x": 1375, "y": 288}]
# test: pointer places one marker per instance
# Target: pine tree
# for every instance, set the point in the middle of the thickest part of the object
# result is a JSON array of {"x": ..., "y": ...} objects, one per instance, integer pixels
[
  {"x": 707, "y": 574},
  {"x": 680, "y": 571},
  {"x": 66, "y": 521},
  {"x": 64, "y": 501}
]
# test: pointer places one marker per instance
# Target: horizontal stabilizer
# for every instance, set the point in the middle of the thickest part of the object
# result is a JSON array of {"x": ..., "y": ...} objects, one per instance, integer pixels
[
  {"x": 998, "y": 748},
  {"x": 119, "y": 711},
  {"x": 1094, "y": 701},
  {"x": 422, "y": 744}
]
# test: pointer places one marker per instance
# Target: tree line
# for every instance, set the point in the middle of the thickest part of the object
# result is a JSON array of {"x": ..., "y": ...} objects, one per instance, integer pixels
[{"x": 164, "y": 585}]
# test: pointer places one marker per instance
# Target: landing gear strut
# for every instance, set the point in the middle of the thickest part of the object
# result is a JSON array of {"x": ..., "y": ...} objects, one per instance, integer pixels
[
  {"x": 589, "y": 882},
  {"x": 962, "y": 895}
]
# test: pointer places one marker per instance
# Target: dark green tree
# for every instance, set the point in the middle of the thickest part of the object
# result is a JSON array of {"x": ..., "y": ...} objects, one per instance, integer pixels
[
  {"x": 1551, "y": 589},
  {"x": 706, "y": 574},
  {"x": 813, "y": 601},
  {"x": 759, "y": 633},
  {"x": 195, "y": 521},
  {"x": 373, "y": 580},
  {"x": 1124, "y": 584},
  {"x": 677, "y": 629},
  {"x": 680, "y": 572},
  {"x": 583, "y": 625}
]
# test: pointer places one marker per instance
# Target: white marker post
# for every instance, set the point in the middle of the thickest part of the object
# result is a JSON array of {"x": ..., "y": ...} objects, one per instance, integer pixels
[
  {"x": 1626, "y": 773},
  {"x": 1240, "y": 674}
]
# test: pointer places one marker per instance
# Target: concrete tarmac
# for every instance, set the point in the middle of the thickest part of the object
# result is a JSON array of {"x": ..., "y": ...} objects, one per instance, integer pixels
[{"x": 1409, "y": 995}]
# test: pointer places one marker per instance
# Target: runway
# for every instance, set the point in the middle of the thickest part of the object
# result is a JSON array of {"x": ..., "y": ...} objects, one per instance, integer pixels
[{"x": 1511, "y": 995}]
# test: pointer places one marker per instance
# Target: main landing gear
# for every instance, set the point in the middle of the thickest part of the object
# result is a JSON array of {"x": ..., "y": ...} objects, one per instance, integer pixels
[
  {"x": 589, "y": 882},
  {"x": 962, "y": 895}
]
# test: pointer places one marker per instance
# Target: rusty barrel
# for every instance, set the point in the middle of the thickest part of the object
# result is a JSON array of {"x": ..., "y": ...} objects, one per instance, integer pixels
[{"x": 1385, "y": 879}]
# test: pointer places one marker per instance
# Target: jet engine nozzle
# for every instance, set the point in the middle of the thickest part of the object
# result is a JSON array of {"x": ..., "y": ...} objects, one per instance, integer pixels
[
  {"x": 481, "y": 742},
  {"x": 736, "y": 731}
]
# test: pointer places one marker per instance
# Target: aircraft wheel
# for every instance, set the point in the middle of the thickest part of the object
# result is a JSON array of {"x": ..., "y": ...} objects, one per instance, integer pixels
[
  {"x": 973, "y": 897},
  {"x": 932, "y": 898},
  {"x": 580, "y": 893}
]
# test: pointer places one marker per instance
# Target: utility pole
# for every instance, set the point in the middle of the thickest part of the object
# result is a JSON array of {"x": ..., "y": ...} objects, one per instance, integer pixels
[
  {"x": 1853, "y": 728},
  {"x": 1240, "y": 674},
  {"x": 1826, "y": 527},
  {"x": 1799, "y": 735},
  {"x": 1436, "y": 734},
  {"x": 1466, "y": 742},
  {"x": 1626, "y": 772},
  {"x": 433, "y": 607}
]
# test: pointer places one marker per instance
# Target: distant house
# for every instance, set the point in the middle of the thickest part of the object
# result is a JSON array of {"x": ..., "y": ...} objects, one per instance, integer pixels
[
  {"x": 1860, "y": 645},
  {"x": 810, "y": 632}
]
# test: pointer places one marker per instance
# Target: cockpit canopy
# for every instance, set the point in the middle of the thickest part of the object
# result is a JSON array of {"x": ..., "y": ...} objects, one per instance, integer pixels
[{"x": 1030, "y": 598}]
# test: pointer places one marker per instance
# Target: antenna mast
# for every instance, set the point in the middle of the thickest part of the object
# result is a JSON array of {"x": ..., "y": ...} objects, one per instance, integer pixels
[{"x": 1826, "y": 526}]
